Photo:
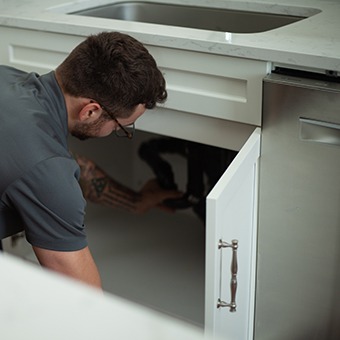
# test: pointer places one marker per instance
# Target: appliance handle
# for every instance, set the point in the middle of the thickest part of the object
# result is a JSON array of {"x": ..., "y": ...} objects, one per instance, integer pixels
[{"x": 320, "y": 132}]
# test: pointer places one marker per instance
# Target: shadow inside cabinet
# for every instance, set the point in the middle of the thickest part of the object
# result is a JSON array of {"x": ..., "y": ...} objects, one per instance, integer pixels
[{"x": 156, "y": 260}]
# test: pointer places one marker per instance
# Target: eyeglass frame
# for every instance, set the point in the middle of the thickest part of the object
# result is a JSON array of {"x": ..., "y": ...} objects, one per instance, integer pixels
[{"x": 127, "y": 133}]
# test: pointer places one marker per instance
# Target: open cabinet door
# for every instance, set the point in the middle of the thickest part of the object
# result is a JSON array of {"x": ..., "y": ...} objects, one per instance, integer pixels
[{"x": 231, "y": 247}]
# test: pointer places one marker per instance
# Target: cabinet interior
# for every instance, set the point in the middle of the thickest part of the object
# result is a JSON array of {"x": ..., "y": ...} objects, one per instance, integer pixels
[{"x": 156, "y": 259}]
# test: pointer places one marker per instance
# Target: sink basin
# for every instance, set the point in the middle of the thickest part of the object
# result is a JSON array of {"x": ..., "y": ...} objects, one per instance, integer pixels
[{"x": 206, "y": 18}]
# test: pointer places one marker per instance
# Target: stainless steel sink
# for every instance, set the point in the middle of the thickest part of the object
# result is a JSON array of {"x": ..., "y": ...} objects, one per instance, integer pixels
[{"x": 214, "y": 19}]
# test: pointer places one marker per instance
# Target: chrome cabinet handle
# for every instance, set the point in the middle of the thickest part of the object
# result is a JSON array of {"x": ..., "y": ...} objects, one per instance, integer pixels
[{"x": 233, "y": 281}]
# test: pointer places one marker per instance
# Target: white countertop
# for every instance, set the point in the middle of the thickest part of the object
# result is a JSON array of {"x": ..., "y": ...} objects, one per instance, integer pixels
[
  {"x": 38, "y": 304},
  {"x": 313, "y": 42}
]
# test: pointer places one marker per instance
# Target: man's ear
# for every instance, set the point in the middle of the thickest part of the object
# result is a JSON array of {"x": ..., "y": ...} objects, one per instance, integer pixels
[{"x": 90, "y": 111}]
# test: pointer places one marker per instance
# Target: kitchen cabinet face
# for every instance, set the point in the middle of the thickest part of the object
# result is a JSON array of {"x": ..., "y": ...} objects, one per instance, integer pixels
[
  {"x": 213, "y": 100},
  {"x": 231, "y": 214}
]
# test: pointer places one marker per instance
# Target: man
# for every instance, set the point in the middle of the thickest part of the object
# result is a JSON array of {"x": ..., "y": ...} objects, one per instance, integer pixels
[{"x": 105, "y": 84}]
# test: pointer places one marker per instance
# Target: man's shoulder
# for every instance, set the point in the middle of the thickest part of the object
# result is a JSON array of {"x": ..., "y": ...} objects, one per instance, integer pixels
[{"x": 9, "y": 70}]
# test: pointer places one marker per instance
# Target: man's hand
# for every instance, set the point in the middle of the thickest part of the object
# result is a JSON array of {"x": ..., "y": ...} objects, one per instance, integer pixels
[{"x": 152, "y": 195}]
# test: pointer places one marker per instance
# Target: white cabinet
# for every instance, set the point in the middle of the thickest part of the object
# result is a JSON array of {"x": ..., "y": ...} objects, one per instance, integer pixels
[
  {"x": 232, "y": 222},
  {"x": 213, "y": 100}
]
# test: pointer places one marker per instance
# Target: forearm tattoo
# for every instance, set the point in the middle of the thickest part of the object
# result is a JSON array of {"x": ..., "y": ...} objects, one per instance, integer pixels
[{"x": 99, "y": 187}]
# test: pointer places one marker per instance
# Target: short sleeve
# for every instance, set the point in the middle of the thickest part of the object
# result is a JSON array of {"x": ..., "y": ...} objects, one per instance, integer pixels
[{"x": 50, "y": 203}]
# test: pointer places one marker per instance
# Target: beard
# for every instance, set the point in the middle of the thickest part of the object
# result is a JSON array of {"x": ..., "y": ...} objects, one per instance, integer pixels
[
  {"x": 84, "y": 131},
  {"x": 81, "y": 132}
]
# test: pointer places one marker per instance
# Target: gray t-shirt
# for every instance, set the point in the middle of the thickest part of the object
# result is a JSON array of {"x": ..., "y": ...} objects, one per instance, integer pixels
[{"x": 39, "y": 185}]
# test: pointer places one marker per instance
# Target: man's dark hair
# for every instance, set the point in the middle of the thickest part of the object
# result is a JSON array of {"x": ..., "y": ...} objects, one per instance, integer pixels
[{"x": 114, "y": 69}]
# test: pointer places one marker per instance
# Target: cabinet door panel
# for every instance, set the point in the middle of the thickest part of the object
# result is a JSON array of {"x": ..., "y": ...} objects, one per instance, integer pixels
[{"x": 232, "y": 215}]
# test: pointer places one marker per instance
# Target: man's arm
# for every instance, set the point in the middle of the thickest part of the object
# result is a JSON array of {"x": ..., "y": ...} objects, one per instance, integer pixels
[
  {"x": 99, "y": 187},
  {"x": 76, "y": 264}
]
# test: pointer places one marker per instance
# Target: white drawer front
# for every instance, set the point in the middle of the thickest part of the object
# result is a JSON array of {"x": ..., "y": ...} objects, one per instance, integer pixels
[{"x": 212, "y": 85}]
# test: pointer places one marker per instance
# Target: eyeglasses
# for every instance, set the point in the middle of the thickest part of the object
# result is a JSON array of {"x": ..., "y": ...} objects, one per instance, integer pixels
[{"x": 122, "y": 131}]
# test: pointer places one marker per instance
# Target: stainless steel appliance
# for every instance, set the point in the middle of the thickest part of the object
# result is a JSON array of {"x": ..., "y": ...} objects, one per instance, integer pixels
[{"x": 298, "y": 280}]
